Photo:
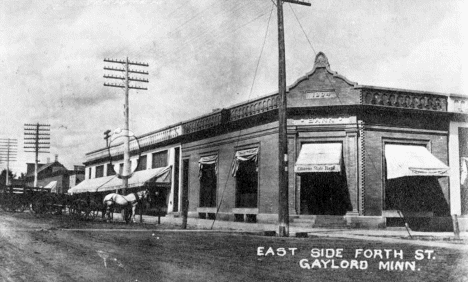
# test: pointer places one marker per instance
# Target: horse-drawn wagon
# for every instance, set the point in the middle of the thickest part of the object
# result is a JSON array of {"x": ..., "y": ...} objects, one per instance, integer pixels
[{"x": 18, "y": 198}]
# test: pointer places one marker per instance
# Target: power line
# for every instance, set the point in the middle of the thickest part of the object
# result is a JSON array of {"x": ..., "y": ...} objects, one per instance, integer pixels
[
  {"x": 297, "y": 19},
  {"x": 261, "y": 51},
  {"x": 240, "y": 131}
]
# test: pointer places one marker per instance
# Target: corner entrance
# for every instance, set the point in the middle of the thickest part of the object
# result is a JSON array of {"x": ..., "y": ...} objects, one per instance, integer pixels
[{"x": 323, "y": 194}]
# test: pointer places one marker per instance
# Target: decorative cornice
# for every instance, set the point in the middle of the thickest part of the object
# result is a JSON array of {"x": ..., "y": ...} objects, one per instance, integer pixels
[{"x": 403, "y": 99}]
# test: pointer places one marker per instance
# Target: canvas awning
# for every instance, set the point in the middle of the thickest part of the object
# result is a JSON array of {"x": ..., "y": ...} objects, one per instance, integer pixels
[
  {"x": 319, "y": 157},
  {"x": 160, "y": 175},
  {"x": 52, "y": 186},
  {"x": 412, "y": 160},
  {"x": 242, "y": 156},
  {"x": 208, "y": 160}
]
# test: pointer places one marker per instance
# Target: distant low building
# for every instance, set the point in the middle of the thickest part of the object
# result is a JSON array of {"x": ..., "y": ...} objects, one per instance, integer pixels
[{"x": 55, "y": 176}]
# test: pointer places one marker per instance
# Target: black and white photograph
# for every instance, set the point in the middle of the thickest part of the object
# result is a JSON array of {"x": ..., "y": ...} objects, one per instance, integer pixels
[{"x": 218, "y": 140}]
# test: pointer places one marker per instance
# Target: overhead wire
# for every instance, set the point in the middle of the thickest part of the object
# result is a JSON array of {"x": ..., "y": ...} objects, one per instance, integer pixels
[{"x": 240, "y": 131}]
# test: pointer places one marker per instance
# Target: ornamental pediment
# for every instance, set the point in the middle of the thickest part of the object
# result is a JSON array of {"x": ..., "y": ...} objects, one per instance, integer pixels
[{"x": 321, "y": 87}]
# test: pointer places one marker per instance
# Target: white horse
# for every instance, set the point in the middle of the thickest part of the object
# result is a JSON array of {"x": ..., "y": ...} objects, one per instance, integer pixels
[{"x": 124, "y": 202}]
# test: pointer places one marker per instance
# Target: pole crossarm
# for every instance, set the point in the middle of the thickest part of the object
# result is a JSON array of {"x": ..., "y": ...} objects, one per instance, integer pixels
[
  {"x": 126, "y": 62},
  {"x": 299, "y": 2},
  {"x": 114, "y": 85},
  {"x": 138, "y": 79},
  {"x": 137, "y": 87},
  {"x": 140, "y": 72},
  {"x": 114, "y": 69},
  {"x": 114, "y": 77}
]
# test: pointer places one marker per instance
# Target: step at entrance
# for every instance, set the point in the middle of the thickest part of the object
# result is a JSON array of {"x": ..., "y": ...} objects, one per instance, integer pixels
[{"x": 320, "y": 221}]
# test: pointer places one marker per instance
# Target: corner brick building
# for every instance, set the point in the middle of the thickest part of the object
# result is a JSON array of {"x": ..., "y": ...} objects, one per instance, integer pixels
[{"x": 359, "y": 156}]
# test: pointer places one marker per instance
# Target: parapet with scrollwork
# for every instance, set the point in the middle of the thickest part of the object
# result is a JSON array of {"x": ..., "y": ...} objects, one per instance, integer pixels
[{"x": 403, "y": 99}]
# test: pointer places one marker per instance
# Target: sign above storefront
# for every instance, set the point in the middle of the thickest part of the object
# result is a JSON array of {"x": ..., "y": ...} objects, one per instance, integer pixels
[
  {"x": 303, "y": 168},
  {"x": 326, "y": 120}
]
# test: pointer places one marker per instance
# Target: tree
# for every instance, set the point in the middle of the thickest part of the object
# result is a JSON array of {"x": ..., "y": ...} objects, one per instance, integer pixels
[{"x": 11, "y": 175}]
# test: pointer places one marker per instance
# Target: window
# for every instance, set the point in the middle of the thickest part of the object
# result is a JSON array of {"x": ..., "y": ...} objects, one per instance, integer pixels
[
  {"x": 245, "y": 170},
  {"x": 89, "y": 173},
  {"x": 159, "y": 159},
  {"x": 110, "y": 170},
  {"x": 208, "y": 181},
  {"x": 247, "y": 185},
  {"x": 121, "y": 166},
  {"x": 99, "y": 171},
  {"x": 142, "y": 163}
]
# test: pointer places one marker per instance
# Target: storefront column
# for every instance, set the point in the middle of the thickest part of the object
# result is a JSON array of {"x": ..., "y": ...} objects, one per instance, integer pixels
[{"x": 351, "y": 166}]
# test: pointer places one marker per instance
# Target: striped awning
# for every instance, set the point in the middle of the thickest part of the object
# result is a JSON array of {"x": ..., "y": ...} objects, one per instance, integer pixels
[
  {"x": 412, "y": 160},
  {"x": 140, "y": 178}
]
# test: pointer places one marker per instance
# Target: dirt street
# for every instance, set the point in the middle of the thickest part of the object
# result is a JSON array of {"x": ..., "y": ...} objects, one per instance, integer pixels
[{"x": 56, "y": 248}]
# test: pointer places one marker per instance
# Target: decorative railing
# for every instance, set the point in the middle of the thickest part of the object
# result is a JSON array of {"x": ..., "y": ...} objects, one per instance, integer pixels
[
  {"x": 160, "y": 136},
  {"x": 254, "y": 108},
  {"x": 401, "y": 99},
  {"x": 152, "y": 138},
  {"x": 202, "y": 123}
]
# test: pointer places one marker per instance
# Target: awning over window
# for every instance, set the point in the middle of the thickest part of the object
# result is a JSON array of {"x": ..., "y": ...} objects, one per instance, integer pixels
[
  {"x": 209, "y": 160},
  {"x": 140, "y": 178},
  {"x": 52, "y": 186},
  {"x": 319, "y": 157},
  {"x": 412, "y": 160},
  {"x": 242, "y": 156}
]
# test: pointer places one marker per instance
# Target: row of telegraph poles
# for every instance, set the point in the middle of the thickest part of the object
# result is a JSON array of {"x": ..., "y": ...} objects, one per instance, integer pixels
[
  {"x": 125, "y": 80},
  {"x": 36, "y": 140}
]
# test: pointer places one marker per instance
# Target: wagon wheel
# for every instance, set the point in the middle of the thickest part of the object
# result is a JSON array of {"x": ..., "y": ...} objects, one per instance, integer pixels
[
  {"x": 18, "y": 204},
  {"x": 5, "y": 202},
  {"x": 39, "y": 204},
  {"x": 73, "y": 208},
  {"x": 94, "y": 209},
  {"x": 55, "y": 205},
  {"x": 84, "y": 209}
]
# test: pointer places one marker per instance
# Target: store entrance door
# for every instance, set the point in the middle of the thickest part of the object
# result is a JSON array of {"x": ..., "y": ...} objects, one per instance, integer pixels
[{"x": 324, "y": 194}]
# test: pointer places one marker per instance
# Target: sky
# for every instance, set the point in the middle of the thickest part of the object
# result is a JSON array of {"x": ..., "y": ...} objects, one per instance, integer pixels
[{"x": 203, "y": 55}]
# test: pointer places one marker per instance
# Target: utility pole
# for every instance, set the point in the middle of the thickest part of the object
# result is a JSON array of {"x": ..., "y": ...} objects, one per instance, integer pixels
[
  {"x": 38, "y": 143},
  {"x": 283, "y": 180},
  {"x": 8, "y": 150},
  {"x": 126, "y": 86}
]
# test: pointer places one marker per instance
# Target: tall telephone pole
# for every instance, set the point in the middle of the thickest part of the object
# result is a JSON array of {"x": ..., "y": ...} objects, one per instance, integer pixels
[
  {"x": 36, "y": 140},
  {"x": 283, "y": 202},
  {"x": 126, "y": 86},
  {"x": 8, "y": 150}
]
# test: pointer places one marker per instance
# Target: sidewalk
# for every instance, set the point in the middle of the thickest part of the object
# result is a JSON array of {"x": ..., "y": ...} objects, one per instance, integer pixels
[{"x": 434, "y": 239}]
